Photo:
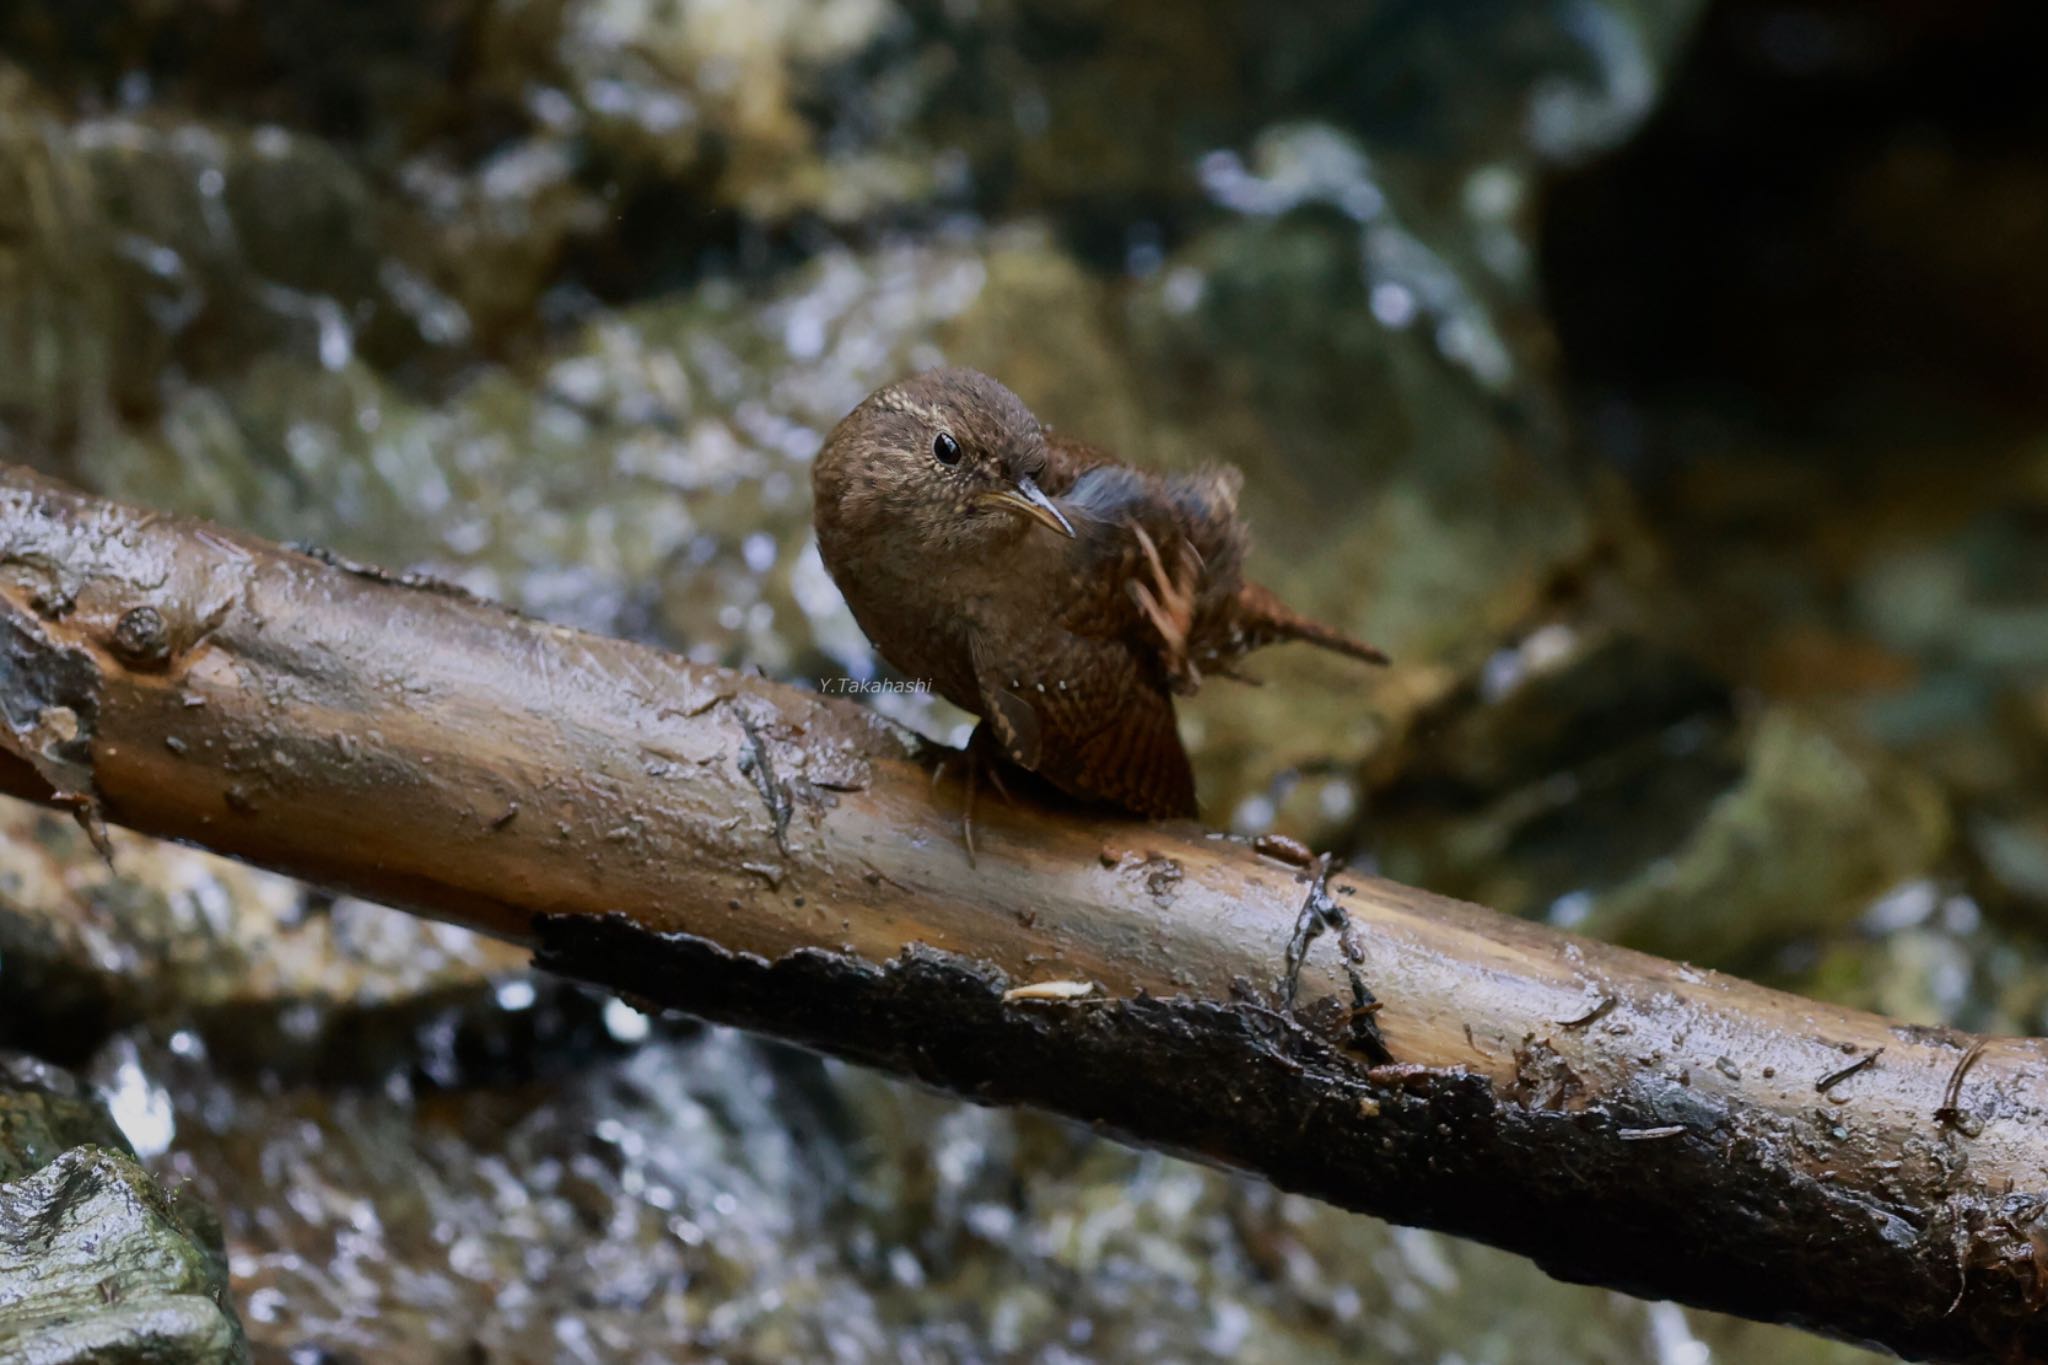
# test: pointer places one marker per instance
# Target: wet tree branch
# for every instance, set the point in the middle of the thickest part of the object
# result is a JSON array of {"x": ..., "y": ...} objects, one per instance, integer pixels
[{"x": 757, "y": 854}]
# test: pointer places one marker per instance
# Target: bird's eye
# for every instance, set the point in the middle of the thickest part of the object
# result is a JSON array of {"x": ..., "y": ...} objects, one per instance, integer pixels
[{"x": 945, "y": 449}]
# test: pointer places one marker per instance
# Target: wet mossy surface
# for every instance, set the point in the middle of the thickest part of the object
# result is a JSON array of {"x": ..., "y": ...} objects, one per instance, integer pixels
[{"x": 98, "y": 1261}]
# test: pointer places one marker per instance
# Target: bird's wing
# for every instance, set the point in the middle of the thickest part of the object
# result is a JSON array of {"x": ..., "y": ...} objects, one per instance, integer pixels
[
  {"x": 1087, "y": 716},
  {"x": 1158, "y": 564},
  {"x": 1066, "y": 460}
]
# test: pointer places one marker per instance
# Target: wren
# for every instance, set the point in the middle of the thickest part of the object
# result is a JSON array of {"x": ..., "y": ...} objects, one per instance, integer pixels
[{"x": 1059, "y": 595}]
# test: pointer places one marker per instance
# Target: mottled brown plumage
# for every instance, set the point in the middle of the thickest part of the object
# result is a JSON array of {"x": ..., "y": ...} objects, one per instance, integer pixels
[{"x": 1057, "y": 594}]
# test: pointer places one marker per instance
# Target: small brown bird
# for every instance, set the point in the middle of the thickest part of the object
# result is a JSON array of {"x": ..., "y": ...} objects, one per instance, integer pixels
[{"x": 1055, "y": 593}]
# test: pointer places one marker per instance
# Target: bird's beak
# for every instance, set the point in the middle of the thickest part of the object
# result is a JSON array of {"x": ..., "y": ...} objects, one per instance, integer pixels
[{"x": 1028, "y": 500}]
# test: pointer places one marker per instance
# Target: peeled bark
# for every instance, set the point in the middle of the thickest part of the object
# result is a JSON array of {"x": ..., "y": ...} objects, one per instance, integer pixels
[{"x": 760, "y": 855}]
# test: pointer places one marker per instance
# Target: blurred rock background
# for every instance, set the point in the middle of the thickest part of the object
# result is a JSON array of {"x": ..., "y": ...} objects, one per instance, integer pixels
[{"x": 1659, "y": 381}]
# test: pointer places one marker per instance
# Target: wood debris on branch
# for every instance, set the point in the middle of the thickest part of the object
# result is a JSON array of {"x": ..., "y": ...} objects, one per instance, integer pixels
[{"x": 763, "y": 856}]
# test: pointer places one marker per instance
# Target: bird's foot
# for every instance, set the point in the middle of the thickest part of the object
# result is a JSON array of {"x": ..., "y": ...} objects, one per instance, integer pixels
[
  {"x": 1168, "y": 602},
  {"x": 979, "y": 762}
]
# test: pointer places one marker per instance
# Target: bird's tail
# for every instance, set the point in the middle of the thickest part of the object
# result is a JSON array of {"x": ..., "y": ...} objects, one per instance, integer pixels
[{"x": 1264, "y": 619}]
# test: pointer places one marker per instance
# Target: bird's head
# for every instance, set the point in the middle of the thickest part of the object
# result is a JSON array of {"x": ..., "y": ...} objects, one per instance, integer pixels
[{"x": 942, "y": 462}]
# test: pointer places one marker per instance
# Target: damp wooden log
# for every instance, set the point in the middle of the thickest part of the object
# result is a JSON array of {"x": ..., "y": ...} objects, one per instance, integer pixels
[{"x": 764, "y": 856}]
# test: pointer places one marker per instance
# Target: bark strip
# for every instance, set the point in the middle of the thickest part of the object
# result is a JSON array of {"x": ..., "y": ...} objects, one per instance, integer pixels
[{"x": 760, "y": 855}]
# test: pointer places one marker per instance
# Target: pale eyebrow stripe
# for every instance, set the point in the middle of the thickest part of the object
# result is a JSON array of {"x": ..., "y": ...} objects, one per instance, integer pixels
[{"x": 896, "y": 402}]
